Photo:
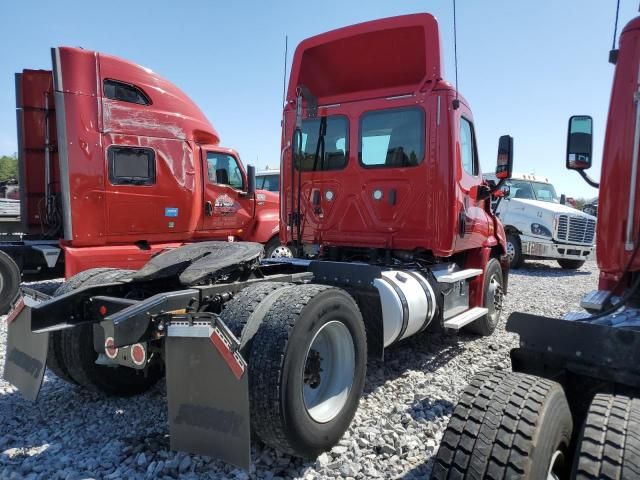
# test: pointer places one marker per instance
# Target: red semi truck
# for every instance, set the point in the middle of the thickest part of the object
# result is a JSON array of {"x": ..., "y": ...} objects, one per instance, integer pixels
[
  {"x": 570, "y": 408},
  {"x": 118, "y": 164},
  {"x": 384, "y": 205}
]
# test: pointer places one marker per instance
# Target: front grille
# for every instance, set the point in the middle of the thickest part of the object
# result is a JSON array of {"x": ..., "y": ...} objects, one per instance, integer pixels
[{"x": 575, "y": 229}]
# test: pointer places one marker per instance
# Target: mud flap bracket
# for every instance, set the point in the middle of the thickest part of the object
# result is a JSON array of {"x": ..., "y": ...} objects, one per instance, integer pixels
[{"x": 208, "y": 391}]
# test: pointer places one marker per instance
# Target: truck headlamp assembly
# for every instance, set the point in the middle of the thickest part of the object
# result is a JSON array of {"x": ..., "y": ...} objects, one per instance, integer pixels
[{"x": 540, "y": 230}]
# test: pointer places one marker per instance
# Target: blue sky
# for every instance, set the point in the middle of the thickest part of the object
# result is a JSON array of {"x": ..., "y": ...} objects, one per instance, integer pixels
[{"x": 525, "y": 67}]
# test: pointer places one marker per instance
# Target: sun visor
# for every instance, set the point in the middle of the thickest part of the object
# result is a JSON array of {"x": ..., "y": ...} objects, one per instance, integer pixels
[{"x": 392, "y": 56}]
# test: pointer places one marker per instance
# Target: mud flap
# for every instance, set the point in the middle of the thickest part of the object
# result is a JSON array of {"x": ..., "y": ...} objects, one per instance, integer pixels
[
  {"x": 208, "y": 393},
  {"x": 26, "y": 351}
]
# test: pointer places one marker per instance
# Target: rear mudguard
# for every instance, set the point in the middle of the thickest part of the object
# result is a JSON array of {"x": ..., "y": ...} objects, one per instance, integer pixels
[
  {"x": 208, "y": 392},
  {"x": 26, "y": 351}
]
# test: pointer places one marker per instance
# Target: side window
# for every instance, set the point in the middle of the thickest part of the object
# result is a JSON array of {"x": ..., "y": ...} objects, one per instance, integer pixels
[
  {"x": 124, "y": 92},
  {"x": 336, "y": 145},
  {"x": 392, "y": 138},
  {"x": 131, "y": 166},
  {"x": 223, "y": 169},
  {"x": 468, "y": 147},
  {"x": 270, "y": 183}
]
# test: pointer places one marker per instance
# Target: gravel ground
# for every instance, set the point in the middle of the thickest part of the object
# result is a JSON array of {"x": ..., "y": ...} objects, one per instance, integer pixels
[{"x": 72, "y": 434}]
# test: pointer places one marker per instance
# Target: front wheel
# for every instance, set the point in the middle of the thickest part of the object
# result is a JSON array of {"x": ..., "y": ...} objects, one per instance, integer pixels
[
  {"x": 507, "y": 425},
  {"x": 307, "y": 369},
  {"x": 274, "y": 249},
  {"x": 567, "y": 264},
  {"x": 514, "y": 251},
  {"x": 493, "y": 297}
]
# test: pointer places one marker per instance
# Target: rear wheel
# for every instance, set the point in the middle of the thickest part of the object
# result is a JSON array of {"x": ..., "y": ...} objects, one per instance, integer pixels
[
  {"x": 10, "y": 279},
  {"x": 514, "y": 251},
  {"x": 307, "y": 369},
  {"x": 609, "y": 444},
  {"x": 493, "y": 296},
  {"x": 567, "y": 264},
  {"x": 507, "y": 425},
  {"x": 78, "y": 356}
]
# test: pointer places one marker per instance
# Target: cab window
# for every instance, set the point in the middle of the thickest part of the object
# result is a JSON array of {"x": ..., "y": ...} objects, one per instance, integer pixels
[
  {"x": 223, "y": 169},
  {"x": 270, "y": 183},
  {"x": 336, "y": 145},
  {"x": 392, "y": 138},
  {"x": 468, "y": 151}
]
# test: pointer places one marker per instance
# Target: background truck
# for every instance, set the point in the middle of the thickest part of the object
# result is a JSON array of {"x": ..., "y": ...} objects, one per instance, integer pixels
[
  {"x": 571, "y": 406},
  {"x": 268, "y": 180},
  {"x": 538, "y": 225},
  {"x": 117, "y": 164},
  {"x": 278, "y": 349}
]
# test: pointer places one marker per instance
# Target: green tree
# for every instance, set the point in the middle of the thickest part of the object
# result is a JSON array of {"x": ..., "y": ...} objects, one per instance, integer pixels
[{"x": 8, "y": 167}]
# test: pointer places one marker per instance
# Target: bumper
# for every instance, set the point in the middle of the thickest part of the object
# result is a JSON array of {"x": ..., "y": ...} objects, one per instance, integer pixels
[{"x": 534, "y": 247}]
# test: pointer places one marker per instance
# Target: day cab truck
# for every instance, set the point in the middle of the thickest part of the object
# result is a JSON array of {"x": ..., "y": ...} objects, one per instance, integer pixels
[
  {"x": 384, "y": 205},
  {"x": 116, "y": 165},
  {"x": 539, "y": 226},
  {"x": 570, "y": 407}
]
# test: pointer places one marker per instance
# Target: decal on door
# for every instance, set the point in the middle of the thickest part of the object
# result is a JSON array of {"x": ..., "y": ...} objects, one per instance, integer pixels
[
  {"x": 170, "y": 212},
  {"x": 224, "y": 205}
]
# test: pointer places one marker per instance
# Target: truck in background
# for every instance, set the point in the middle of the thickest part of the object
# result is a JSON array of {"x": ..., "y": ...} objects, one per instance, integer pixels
[
  {"x": 538, "y": 225},
  {"x": 118, "y": 164},
  {"x": 268, "y": 180},
  {"x": 394, "y": 240},
  {"x": 570, "y": 407}
]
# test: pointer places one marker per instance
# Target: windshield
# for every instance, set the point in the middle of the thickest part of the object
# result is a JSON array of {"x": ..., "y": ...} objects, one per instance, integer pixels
[{"x": 533, "y": 191}]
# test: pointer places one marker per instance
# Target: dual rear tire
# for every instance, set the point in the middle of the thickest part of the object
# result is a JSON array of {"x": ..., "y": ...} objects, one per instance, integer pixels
[
  {"x": 306, "y": 350},
  {"x": 72, "y": 357},
  {"x": 510, "y": 425}
]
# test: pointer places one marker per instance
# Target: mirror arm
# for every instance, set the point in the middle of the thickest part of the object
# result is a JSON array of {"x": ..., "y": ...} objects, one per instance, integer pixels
[{"x": 588, "y": 179}]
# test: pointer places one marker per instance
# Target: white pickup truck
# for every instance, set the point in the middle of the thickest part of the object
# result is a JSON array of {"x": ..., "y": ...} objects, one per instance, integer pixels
[{"x": 538, "y": 225}]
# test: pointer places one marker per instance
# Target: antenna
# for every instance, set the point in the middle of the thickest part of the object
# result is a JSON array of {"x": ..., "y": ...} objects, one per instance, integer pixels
[
  {"x": 284, "y": 78},
  {"x": 613, "y": 53},
  {"x": 456, "y": 102}
]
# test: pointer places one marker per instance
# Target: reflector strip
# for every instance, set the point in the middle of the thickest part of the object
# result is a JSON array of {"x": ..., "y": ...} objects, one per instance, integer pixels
[
  {"x": 234, "y": 360},
  {"x": 15, "y": 311}
]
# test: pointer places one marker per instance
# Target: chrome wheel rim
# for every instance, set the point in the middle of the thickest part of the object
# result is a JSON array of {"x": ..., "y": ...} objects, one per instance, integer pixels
[
  {"x": 555, "y": 466},
  {"x": 281, "y": 251},
  {"x": 329, "y": 369},
  {"x": 495, "y": 298},
  {"x": 511, "y": 251}
]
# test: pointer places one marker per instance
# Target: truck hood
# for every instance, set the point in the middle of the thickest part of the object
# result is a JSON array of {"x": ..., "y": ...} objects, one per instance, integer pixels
[{"x": 550, "y": 207}]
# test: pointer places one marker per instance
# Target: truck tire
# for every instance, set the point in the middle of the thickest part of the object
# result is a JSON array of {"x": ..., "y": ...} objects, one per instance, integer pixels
[
  {"x": 514, "y": 251},
  {"x": 567, "y": 264},
  {"x": 55, "y": 362},
  {"x": 10, "y": 279},
  {"x": 79, "y": 356},
  {"x": 307, "y": 369},
  {"x": 609, "y": 444},
  {"x": 493, "y": 296},
  {"x": 506, "y": 425},
  {"x": 275, "y": 249},
  {"x": 252, "y": 303}
]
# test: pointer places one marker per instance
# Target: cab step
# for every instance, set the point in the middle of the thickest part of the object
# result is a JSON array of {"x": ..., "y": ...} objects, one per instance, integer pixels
[
  {"x": 595, "y": 299},
  {"x": 464, "y": 318},
  {"x": 445, "y": 276}
]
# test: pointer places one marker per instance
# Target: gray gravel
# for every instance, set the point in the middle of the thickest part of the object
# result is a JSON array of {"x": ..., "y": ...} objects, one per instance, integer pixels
[{"x": 71, "y": 434}]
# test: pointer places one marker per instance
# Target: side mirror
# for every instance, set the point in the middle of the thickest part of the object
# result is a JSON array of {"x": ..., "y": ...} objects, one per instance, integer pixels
[
  {"x": 563, "y": 199},
  {"x": 579, "y": 142},
  {"x": 251, "y": 179},
  {"x": 504, "y": 164},
  {"x": 506, "y": 191}
]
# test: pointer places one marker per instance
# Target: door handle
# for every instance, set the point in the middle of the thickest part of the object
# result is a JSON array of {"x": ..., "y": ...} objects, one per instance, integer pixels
[{"x": 208, "y": 208}]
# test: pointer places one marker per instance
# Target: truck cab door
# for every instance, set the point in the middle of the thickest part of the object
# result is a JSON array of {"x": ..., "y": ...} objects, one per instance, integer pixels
[
  {"x": 227, "y": 210},
  {"x": 473, "y": 224}
]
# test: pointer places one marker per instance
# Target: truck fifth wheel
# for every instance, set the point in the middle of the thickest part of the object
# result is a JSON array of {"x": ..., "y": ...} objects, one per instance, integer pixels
[
  {"x": 575, "y": 380},
  {"x": 383, "y": 203}
]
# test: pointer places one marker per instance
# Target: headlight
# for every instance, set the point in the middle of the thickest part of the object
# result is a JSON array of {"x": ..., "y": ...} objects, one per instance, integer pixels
[{"x": 540, "y": 230}]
